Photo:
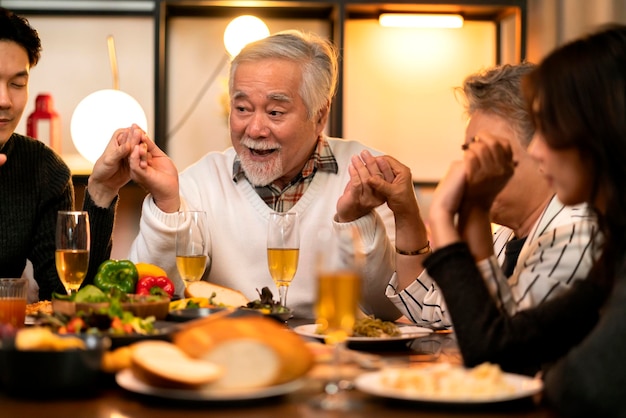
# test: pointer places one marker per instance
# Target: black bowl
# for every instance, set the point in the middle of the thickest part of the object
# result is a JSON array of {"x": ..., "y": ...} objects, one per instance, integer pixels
[
  {"x": 45, "y": 374},
  {"x": 188, "y": 314}
]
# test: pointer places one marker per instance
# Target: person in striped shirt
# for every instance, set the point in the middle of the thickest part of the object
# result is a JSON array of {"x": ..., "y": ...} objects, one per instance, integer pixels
[{"x": 541, "y": 246}]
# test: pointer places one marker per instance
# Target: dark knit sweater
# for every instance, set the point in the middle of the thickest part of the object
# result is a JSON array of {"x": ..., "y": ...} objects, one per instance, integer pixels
[{"x": 35, "y": 184}]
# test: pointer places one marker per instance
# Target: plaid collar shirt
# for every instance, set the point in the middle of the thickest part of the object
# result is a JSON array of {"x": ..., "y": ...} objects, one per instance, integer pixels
[{"x": 279, "y": 200}]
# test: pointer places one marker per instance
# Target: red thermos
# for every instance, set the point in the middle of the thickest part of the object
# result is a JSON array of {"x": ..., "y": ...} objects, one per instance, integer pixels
[{"x": 44, "y": 123}]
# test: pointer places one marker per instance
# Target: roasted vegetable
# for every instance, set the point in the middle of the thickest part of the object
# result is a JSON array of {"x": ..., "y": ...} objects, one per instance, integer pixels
[
  {"x": 116, "y": 274},
  {"x": 151, "y": 285},
  {"x": 266, "y": 303}
]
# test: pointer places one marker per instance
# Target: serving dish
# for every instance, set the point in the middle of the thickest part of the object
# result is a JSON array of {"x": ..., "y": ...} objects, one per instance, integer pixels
[
  {"x": 44, "y": 373},
  {"x": 138, "y": 305},
  {"x": 189, "y": 314},
  {"x": 523, "y": 386},
  {"x": 127, "y": 380}
]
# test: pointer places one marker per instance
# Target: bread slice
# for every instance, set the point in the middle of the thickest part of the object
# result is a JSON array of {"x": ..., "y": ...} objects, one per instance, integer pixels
[
  {"x": 162, "y": 364},
  {"x": 224, "y": 296}
]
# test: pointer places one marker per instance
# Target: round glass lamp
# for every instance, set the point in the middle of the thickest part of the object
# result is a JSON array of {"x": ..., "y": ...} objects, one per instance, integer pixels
[
  {"x": 98, "y": 116},
  {"x": 243, "y": 30}
]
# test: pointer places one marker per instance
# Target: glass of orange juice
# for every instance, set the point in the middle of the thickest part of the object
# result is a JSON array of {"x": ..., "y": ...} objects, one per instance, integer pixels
[{"x": 13, "y": 301}]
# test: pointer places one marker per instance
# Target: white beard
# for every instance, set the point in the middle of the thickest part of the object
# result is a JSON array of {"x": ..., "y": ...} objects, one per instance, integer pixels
[{"x": 261, "y": 173}]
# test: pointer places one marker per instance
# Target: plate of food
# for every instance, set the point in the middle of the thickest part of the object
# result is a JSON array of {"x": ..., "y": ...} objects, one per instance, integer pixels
[
  {"x": 189, "y": 314},
  {"x": 371, "y": 331},
  {"x": 127, "y": 380},
  {"x": 449, "y": 384},
  {"x": 205, "y": 299}
]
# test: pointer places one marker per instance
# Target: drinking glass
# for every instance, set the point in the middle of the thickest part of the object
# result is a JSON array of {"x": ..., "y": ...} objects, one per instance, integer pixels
[
  {"x": 283, "y": 249},
  {"x": 13, "y": 294},
  {"x": 72, "y": 248},
  {"x": 336, "y": 307},
  {"x": 191, "y": 245}
]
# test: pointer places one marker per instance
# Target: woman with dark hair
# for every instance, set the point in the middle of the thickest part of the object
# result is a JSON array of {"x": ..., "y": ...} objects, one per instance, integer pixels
[
  {"x": 577, "y": 101},
  {"x": 577, "y": 97}
]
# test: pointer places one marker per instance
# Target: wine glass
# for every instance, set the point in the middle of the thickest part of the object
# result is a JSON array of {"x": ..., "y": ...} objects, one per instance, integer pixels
[
  {"x": 283, "y": 249},
  {"x": 191, "y": 245},
  {"x": 336, "y": 307},
  {"x": 72, "y": 248}
]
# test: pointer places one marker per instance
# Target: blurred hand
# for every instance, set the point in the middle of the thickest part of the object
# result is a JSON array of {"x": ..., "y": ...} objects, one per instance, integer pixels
[
  {"x": 111, "y": 171},
  {"x": 151, "y": 168},
  {"x": 359, "y": 198}
]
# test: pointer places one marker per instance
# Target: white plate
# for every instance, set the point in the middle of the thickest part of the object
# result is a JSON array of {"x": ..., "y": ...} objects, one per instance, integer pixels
[
  {"x": 128, "y": 381},
  {"x": 409, "y": 332},
  {"x": 524, "y": 386}
]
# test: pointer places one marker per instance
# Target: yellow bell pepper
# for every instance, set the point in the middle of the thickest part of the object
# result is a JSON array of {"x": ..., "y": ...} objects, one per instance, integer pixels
[{"x": 145, "y": 269}]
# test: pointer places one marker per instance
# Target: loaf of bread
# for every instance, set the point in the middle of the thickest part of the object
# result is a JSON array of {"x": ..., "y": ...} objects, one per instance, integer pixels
[
  {"x": 163, "y": 364},
  {"x": 219, "y": 295},
  {"x": 253, "y": 351}
]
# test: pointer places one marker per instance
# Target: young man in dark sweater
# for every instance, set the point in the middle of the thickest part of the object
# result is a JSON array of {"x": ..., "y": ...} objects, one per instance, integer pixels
[{"x": 35, "y": 183}]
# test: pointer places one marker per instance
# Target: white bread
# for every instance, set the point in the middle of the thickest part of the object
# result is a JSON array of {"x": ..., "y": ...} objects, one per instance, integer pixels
[
  {"x": 163, "y": 364},
  {"x": 224, "y": 296},
  {"x": 254, "y": 351},
  {"x": 240, "y": 358}
]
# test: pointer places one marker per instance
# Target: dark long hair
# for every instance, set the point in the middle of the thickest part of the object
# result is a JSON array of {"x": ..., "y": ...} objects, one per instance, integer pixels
[{"x": 577, "y": 97}]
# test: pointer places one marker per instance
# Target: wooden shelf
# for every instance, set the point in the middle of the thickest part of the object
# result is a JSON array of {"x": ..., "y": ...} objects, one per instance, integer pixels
[{"x": 336, "y": 11}]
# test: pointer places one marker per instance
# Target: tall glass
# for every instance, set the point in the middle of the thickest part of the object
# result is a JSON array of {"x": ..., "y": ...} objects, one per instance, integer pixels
[
  {"x": 337, "y": 304},
  {"x": 192, "y": 245},
  {"x": 283, "y": 249},
  {"x": 72, "y": 248}
]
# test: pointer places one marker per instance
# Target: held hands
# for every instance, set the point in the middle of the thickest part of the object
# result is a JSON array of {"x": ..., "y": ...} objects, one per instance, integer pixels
[
  {"x": 359, "y": 197},
  {"x": 395, "y": 186},
  {"x": 111, "y": 171},
  {"x": 151, "y": 168},
  {"x": 471, "y": 184},
  {"x": 488, "y": 167}
]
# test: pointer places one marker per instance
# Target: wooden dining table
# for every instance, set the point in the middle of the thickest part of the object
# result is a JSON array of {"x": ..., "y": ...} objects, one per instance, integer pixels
[{"x": 112, "y": 401}]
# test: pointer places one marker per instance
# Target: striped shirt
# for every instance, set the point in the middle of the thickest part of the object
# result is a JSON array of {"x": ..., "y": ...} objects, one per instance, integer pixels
[
  {"x": 281, "y": 200},
  {"x": 558, "y": 251}
]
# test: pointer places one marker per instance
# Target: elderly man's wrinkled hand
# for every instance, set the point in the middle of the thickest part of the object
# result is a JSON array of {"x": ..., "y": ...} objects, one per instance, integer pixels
[{"x": 359, "y": 197}]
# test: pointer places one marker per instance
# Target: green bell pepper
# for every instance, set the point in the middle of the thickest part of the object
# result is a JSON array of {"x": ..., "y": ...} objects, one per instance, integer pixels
[{"x": 117, "y": 274}]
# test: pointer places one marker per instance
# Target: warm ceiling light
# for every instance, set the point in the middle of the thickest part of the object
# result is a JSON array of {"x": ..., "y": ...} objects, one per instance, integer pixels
[
  {"x": 420, "y": 20},
  {"x": 243, "y": 30}
]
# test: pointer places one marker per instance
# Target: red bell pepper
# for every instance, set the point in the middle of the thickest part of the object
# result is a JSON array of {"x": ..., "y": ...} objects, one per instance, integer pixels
[{"x": 151, "y": 285}]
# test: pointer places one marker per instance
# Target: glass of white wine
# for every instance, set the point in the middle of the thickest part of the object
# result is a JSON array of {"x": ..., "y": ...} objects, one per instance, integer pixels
[
  {"x": 191, "y": 245},
  {"x": 283, "y": 250},
  {"x": 72, "y": 248}
]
